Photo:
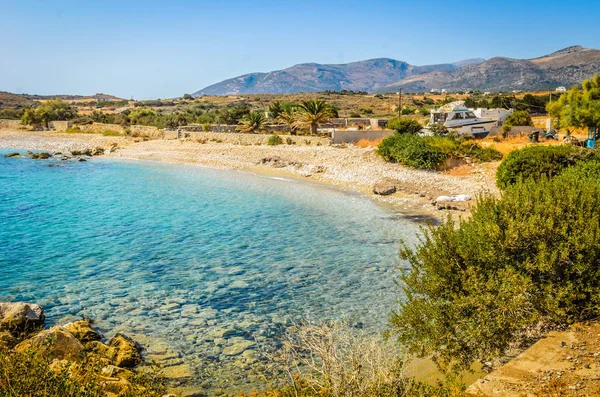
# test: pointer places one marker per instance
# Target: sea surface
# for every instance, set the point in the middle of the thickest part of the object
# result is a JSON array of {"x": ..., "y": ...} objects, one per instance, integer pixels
[{"x": 193, "y": 258}]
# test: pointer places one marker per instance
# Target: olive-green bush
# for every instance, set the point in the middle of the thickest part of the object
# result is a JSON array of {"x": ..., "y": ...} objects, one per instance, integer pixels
[
  {"x": 521, "y": 263},
  {"x": 537, "y": 161},
  {"x": 431, "y": 151},
  {"x": 405, "y": 125}
]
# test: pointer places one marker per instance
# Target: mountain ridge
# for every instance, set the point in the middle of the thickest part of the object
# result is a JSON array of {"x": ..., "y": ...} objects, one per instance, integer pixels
[{"x": 567, "y": 66}]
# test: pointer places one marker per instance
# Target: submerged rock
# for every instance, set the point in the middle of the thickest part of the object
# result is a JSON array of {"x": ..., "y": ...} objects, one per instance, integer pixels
[
  {"x": 82, "y": 331},
  {"x": 21, "y": 316},
  {"x": 55, "y": 343},
  {"x": 385, "y": 187},
  {"x": 238, "y": 347},
  {"x": 41, "y": 156},
  {"x": 128, "y": 351},
  {"x": 15, "y": 154}
]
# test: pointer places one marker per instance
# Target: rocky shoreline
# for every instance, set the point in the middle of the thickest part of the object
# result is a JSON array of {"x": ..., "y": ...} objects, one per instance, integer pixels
[
  {"x": 348, "y": 168},
  {"x": 22, "y": 330}
]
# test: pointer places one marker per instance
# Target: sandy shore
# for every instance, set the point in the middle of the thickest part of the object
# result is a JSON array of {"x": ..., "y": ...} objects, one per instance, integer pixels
[{"x": 349, "y": 168}]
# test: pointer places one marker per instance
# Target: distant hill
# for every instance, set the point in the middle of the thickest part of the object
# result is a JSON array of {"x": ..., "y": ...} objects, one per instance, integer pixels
[
  {"x": 562, "y": 68},
  {"x": 369, "y": 75},
  {"x": 14, "y": 101},
  {"x": 97, "y": 97}
]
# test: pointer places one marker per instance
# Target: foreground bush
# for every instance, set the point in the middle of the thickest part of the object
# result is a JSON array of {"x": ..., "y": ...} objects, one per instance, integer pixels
[
  {"x": 32, "y": 375},
  {"x": 432, "y": 151},
  {"x": 538, "y": 161},
  {"x": 520, "y": 264},
  {"x": 336, "y": 360}
]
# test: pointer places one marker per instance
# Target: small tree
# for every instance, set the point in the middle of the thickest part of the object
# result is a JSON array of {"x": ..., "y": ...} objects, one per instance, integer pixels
[
  {"x": 275, "y": 109},
  {"x": 578, "y": 107},
  {"x": 518, "y": 118},
  {"x": 288, "y": 116},
  {"x": 312, "y": 113},
  {"x": 405, "y": 126},
  {"x": 53, "y": 110},
  {"x": 252, "y": 123}
]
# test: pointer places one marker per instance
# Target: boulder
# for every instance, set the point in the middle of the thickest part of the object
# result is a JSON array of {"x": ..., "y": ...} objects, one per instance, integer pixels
[
  {"x": 41, "y": 156},
  {"x": 83, "y": 331},
  {"x": 103, "y": 351},
  {"x": 238, "y": 347},
  {"x": 97, "y": 151},
  {"x": 113, "y": 371},
  {"x": 15, "y": 154},
  {"x": 20, "y": 316},
  {"x": 128, "y": 351},
  {"x": 55, "y": 343},
  {"x": 385, "y": 187}
]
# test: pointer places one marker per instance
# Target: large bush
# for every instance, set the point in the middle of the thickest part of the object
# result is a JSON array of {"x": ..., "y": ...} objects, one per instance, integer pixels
[
  {"x": 411, "y": 150},
  {"x": 405, "y": 126},
  {"x": 431, "y": 152},
  {"x": 519, "y": 264},
  {"x": 537, "y": 161}
]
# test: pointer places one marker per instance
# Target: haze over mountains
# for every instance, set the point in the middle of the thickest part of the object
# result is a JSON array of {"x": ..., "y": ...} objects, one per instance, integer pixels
[{"x": 562, "y": 68}]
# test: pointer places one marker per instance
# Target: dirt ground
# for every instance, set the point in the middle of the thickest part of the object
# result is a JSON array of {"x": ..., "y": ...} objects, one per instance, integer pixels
[{"x": 565, "y": 363}]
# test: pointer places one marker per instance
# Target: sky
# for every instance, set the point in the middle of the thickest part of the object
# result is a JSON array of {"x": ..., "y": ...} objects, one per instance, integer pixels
[{"x": 164, "y": 49}]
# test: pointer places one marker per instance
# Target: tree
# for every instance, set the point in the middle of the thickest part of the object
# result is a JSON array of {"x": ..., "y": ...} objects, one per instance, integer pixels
[
  {"x": 188, "y": 97},
  {"x": 288, "y": 116},
  {"x": 517, "y": 118},
  {"x": 312, "y": 113},
  {"x": 578, "y": 107},
  {"x": 275, "y": 109},
  {"x": 405, "y": 126},
  {"x": 521, "y": 263},
  {"x": 30, "y": 117},
  {"x": 53, "y": 110},
  {"x": 252, "y": 122}
]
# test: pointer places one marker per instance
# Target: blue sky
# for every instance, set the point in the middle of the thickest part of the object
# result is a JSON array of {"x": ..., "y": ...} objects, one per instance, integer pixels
[{"x": 160, "y": 49}]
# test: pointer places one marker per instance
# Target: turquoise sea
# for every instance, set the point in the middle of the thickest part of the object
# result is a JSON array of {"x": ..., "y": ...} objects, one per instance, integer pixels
[{"x": 186, "y": 255}]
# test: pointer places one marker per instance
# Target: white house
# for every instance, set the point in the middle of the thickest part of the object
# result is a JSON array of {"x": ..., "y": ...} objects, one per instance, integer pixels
[{"x": 561, "y": 89}]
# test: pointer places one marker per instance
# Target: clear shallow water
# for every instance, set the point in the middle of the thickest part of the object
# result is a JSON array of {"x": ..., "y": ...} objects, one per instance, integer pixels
[{"x": 177, "y": 253}]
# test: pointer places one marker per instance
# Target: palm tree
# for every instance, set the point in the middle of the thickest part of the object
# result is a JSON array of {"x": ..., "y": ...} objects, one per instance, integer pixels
[
  {"x": 288, "y": 115},
  {"x": 252, "y": 122},
  {"x": 312, "y": 113}
]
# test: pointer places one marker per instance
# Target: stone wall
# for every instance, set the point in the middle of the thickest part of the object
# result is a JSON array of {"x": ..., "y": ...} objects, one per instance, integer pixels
[
  {"x": 11, "y": 124},
  {"x": 254, "y": 139},
  {"x": 136, "y": 130},
  {"x": 355, "y": 136},
  {"x": 59, "y": 125}
]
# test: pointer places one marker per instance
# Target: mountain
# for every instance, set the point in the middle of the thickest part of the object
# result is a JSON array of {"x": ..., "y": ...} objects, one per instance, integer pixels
[
  {"x": 561, "y": 68},
  {"x": 369, "y": 75}
]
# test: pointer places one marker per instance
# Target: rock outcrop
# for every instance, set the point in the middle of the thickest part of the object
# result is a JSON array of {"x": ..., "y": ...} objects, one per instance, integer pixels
[
  {"x": 55, "y": 343},
  {"x": 128, "y": 351},
  {"x": 83, "y": 331},
  {"x": 20, "y": 316}
]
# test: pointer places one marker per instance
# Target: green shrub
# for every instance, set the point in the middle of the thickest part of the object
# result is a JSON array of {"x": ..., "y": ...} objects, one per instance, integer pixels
[
  {"x": 290, "y": 141},
  {"x": 274, "y": 140},
  {"x": 586, "y": 170},
  {"x": 431, "y": 151},
  {"x": 354, "y": 115},
  {"x": 206, "y": 127},
  {"x": 110, "y": 133},
  {"x": 73, "y": 130},
  {"x": 438, "y": 129},
  {"x": 537, "y": 161},
  {"x": 520, "y": 264},
  {"x": 411, "y": 150},
  {"x": 405, "y": 126}
]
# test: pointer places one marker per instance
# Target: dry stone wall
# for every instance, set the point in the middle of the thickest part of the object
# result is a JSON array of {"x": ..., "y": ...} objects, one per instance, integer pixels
[
  {"x": 11, "y": 124},
  {"x": 255, "y": 139}
]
